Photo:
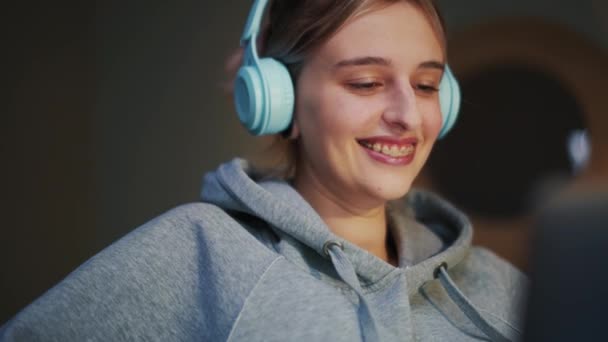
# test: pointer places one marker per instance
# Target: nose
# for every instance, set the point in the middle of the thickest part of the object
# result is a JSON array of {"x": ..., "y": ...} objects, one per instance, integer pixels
[{"x": 402, "y": 112}]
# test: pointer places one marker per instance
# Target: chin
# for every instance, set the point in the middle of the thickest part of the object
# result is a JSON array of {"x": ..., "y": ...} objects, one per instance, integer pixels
[
  {"x": 393, "y": 195},
  {"x": 389, "y": 191}
]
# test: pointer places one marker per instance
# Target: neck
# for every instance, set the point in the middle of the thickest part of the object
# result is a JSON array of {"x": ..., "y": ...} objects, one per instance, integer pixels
[{"x": 365, "y": 227}]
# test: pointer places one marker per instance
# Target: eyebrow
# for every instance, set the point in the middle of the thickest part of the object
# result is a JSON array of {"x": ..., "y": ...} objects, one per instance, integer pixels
[
  {"x": 432, "y": 65},
  {"x": 372, "y": 60},
  {"x": 358, "y": 61}
]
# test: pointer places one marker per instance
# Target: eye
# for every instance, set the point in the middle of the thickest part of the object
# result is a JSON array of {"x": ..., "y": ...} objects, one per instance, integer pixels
[
  {"x": 427, "y": 89},
  {"x": 367, "y": 87}
]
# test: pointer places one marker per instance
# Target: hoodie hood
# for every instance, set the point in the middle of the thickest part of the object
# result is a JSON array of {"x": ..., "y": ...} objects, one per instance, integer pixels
[{"x": 236, "y": 186}]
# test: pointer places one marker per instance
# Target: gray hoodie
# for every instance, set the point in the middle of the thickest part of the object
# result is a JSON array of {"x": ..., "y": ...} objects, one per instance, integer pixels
[{"x": 254, "y": 262}]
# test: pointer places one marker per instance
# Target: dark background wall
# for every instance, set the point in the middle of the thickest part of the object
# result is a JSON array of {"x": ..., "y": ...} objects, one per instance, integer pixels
[{"x": 112, "y": 114}]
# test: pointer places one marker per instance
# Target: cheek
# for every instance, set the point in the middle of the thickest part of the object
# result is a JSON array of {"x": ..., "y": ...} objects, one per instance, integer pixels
[
  {"x": 318, "y": 123},
  {"x": 332, "y": 114},
  {"x": 433, "y": 121}
]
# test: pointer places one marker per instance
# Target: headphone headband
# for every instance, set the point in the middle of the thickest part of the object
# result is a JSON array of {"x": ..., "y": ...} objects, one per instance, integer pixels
[{"x": 252, "y": 27}]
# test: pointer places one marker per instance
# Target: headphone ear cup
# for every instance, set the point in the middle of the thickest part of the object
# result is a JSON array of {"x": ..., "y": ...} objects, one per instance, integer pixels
[
  {"x": 280, "y": 101},
  {"x": 264, "y": 97},
  {"x": 449, "y": 99},
  {"x": 249, "y": 97}
]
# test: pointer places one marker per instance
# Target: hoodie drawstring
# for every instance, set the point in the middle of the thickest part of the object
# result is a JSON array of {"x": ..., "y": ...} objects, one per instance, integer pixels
[
  {"x": 466, "y": 306},
  {"x": 335, "y": 251},
  {"x": 346, "y": 271}
]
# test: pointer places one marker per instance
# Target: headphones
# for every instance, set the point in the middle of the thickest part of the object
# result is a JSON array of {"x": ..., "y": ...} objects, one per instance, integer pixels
[{"x": 264, "y": 93}]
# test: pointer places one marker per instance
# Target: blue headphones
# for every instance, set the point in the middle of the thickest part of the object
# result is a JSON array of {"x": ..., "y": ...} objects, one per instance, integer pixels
[{"x": 264, "y": 94}]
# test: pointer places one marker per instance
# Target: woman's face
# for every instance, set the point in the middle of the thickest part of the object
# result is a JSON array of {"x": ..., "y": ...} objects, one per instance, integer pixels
[{"x": 367, "y": 106}]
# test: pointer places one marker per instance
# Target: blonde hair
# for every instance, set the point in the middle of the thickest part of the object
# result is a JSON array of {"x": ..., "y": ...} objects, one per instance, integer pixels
[{"x": 294, "y": 29}]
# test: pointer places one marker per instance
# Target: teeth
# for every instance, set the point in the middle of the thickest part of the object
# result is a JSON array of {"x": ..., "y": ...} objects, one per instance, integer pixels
[{"x": 390, "y": 150}]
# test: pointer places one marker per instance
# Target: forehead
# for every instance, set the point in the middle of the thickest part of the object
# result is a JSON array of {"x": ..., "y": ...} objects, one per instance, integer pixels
[{"x": 400, "y": 32}]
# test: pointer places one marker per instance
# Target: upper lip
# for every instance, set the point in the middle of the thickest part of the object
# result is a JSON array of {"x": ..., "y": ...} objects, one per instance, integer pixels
[{"x": 389, "y": 140}]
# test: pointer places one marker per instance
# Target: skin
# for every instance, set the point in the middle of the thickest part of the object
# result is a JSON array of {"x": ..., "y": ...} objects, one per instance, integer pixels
[{"x": 377, "y": 76}]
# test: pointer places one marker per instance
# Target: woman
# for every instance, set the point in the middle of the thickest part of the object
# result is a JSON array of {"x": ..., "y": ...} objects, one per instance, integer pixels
[{"x": 335, "y": 251}]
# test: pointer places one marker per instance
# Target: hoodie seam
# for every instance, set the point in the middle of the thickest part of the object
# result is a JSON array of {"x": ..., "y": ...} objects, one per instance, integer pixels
[{"x": 238, "y": 318}]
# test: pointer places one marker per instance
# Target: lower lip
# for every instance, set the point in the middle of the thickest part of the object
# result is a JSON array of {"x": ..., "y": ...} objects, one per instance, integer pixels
[{"x": 398, "y": 161}]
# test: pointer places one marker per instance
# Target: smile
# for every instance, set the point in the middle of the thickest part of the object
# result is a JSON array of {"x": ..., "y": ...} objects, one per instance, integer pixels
[{"x": 390, "y": 151}]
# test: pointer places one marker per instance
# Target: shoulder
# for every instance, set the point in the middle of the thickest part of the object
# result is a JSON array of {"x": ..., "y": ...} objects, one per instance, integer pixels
[
  {"x": 194, "y": 227},
  {"x": 183, "y": 275}
]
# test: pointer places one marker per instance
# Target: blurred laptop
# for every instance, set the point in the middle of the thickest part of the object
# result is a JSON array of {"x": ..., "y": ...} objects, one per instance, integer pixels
[{"x": 568, "y": 298}]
